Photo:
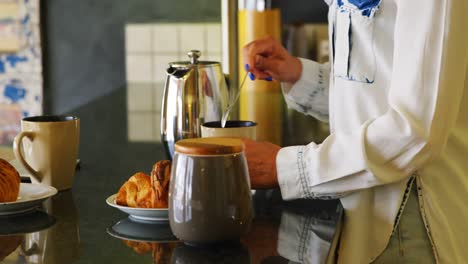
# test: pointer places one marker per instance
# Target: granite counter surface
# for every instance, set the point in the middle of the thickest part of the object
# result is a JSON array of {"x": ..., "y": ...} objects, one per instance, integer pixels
[{"x": 77, "y": 226}]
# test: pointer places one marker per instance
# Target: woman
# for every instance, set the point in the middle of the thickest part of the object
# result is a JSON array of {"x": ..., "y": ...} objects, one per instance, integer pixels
[{"x": 396, "y": 96}]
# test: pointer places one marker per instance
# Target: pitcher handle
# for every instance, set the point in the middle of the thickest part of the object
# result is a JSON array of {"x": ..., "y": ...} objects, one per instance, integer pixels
[{"x": 18, "y": 151}]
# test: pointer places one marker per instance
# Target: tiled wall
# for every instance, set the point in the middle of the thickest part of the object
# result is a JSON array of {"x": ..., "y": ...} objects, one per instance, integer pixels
[{"x": 149, "y": 48}]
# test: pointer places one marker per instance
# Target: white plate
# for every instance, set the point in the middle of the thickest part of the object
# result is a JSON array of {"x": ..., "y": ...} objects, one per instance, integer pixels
[
  {"x": 140, "y": 214},
  {"x": 30, "y": 197}
]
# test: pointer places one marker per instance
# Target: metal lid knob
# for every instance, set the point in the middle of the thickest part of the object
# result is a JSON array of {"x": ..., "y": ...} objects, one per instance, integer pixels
[{"x": 194, "y": 55}]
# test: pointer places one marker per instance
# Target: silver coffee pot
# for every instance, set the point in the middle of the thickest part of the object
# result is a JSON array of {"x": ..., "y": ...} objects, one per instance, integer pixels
[{"x": 195, "y": 92}]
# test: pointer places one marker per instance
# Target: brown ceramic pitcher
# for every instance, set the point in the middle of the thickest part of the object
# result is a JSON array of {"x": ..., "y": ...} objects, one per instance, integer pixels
[{"x": 209, "y": 196}]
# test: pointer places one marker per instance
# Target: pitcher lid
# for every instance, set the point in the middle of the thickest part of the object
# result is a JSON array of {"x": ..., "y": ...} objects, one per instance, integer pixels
[
  {"x": 194, "y": 56},
  {"x": 209, "y": 146}
]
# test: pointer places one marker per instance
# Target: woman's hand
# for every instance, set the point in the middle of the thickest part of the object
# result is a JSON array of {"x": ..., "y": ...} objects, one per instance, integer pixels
[
  {"x": 261, "y": 159},
  {"x": 266, "y": 58}
]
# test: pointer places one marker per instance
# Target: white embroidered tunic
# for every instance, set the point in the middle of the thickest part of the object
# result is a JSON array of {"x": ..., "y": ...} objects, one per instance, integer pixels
[{"x": 396, "y": 96}]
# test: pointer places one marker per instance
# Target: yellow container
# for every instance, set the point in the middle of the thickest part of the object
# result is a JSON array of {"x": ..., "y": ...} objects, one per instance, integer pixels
[{"x": 260, "y": 101}]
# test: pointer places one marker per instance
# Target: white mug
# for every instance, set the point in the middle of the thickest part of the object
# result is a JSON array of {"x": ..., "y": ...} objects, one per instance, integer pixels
[{"x": 51, "y": 152}]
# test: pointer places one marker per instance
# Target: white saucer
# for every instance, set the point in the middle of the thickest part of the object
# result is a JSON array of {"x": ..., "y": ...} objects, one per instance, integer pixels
[
  {"x": 30, "y": 197},
  {"x": 141, "y": 214},
  {"x": 20, "y": 224},
  {"x": 128, "y": 229}
]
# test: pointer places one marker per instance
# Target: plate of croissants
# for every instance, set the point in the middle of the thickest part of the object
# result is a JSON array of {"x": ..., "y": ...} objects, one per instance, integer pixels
[
  {"x": 17, "y": 197},
  {"x": 145, "y": 197}
]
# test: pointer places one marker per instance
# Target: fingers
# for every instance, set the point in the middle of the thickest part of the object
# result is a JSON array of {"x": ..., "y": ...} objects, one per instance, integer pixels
[
  {"x": 278, "y": 68},
  {"x": 283, "y": 69},
  {"x": 266, "y": 68},
  {"x": 270, "y": 66},
  {"x": 267, "y": 59},
  {"x": 254, "y": 53},
  {"x": 264, "y": 47}
]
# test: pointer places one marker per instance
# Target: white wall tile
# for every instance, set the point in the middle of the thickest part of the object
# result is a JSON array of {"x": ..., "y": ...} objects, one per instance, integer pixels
[
  {"x": 157, "y": 127},
  {"x": 192, "y": 37},
  {"x": 158, "y": 96},
  {"x": 213, "y": 38},
  {"x": 139, "y": 68},
  {"x": 141, "y": 126},
  {"x": 213, "y": 57},
  {"x": 137, "y": 38},
  {"x": 183, "y": 56},
  {"x": 149, "y": 49},
  {"x": 160, "y": 64},
  {"x": 165, "y": 38},
  {"x": 140, "y": 97}
]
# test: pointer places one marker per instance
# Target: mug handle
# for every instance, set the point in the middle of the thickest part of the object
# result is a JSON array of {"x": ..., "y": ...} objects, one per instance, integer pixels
[{"x": 18, "y": 150}]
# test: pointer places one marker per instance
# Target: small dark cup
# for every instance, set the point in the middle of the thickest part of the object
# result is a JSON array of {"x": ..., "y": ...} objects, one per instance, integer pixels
[{"x": 233, "y": 128}]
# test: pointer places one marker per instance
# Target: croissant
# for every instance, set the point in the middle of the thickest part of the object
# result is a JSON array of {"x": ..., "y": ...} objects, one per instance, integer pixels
[
  {"x": 160, "y": 176},
  {"x": 145, "y": 191},
  {"x": 139, "y": 247},
  {"x": 9, "y": 182},
  {"x": 161, "y": 252},
  {"x": 136, "y": 192}
]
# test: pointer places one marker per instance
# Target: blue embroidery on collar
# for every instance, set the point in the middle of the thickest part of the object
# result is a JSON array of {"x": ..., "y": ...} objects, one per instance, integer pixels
[{"x": 364, "y": 4}]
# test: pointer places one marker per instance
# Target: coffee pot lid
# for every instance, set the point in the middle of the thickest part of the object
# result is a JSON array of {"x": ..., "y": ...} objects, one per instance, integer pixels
[
  {"x": 194, "y": 56},
  {"x": 209, "y": 146}
]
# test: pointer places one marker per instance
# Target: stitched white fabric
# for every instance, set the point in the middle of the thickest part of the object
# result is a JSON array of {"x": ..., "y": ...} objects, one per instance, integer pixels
[{"x": 413, "y": 116}]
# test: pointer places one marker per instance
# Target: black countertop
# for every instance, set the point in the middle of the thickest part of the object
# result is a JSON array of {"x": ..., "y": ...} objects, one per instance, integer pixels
[{"x": 77, "y": 226}]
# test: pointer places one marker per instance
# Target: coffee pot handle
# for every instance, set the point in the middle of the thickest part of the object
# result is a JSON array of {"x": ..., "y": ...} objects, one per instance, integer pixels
[
  {"x": 228, "y": 80},
  {"x": 18, "y": 151}
]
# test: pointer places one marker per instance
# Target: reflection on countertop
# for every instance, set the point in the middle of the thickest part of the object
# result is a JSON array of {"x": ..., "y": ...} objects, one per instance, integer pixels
[
  {"x": 280, "y": 233},
  {"x": 48, "y": 235},
  {"x": 81, "y": 234}
]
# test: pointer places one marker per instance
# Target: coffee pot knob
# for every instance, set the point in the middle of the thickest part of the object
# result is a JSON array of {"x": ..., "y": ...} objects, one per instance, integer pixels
[{"x": 194, "y": 55}]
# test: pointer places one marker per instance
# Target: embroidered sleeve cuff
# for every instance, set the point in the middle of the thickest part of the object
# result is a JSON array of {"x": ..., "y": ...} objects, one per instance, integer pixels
[
  {"x": 290, "y": 172},
  {"x": 294, "y": 176},
  {"x": 309, "y": 95}
]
